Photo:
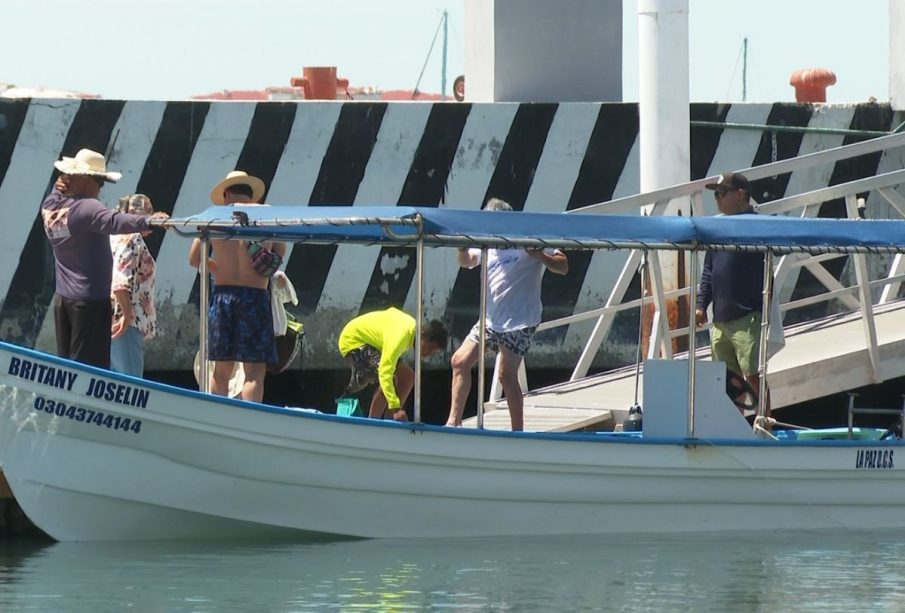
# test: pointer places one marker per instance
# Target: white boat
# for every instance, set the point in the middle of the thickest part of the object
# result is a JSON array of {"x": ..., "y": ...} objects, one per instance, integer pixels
[{"x": 94, "y": 455}]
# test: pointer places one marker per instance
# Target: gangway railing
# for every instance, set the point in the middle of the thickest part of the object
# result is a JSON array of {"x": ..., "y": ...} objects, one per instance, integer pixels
[{"x": 861, "y": 296}]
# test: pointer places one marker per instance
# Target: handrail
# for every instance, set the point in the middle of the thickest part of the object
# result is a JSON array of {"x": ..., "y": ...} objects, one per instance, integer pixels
[
  {"x": 633, "y": 203},
  {"x": 759, "y": 127},
  {"x": 841, "y": 190},
  {"x": 858, "y": 297}
]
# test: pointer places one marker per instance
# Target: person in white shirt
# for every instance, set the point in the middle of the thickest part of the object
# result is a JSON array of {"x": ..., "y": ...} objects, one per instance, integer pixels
[{"x": 513, "y": 313}]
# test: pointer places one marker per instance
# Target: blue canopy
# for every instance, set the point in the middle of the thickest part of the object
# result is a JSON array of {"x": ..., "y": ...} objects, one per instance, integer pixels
[{"x": 401, "y": 225}]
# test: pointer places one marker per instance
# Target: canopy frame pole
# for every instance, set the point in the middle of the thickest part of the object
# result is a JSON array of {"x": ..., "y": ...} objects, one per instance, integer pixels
[
  {"x": 638, "y": 353},
  {"x": 482, "y": 338},
  {"x": 764, "y": 336},
  {"x": 203, "y": 305},
  {"x": 692, "y": 299},
  {"x": 419, "y": 307}
]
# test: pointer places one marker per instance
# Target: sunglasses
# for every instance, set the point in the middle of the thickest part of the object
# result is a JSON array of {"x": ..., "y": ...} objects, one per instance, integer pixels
[{"x": 719, "y": 193}]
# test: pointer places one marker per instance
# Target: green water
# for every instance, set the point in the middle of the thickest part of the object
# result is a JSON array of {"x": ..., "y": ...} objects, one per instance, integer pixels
[{"x": 714, "y": 572}]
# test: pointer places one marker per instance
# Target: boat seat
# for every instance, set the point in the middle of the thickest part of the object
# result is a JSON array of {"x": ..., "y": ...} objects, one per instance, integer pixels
[
  {"x": 839, "y": 434},
  {"x": 547, "y": 419}
]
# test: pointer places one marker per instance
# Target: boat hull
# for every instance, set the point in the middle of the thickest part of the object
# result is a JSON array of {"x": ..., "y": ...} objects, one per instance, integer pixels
[{"x": 206, "y": 467}]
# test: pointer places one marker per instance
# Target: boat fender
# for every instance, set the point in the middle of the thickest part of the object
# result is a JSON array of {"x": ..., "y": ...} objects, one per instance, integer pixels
[{"x": 632, "y": 422}]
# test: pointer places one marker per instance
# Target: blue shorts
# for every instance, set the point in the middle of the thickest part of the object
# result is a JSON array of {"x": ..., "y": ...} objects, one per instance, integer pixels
[{"x": 240, "y": 325}]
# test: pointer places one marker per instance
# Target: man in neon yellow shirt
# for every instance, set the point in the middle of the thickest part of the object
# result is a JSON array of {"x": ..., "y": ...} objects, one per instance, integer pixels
[{"x": 373, "y": 344}]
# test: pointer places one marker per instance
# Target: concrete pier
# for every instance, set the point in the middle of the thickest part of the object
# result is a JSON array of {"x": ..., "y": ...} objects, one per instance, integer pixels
[{"x": 541, "y": 51}]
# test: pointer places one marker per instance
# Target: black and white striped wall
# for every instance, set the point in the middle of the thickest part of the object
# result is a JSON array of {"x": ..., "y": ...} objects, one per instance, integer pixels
[{"x": 540, "y": 157}]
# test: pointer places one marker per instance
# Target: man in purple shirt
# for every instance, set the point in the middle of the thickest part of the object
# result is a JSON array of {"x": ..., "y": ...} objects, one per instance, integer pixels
[{"x": 77, "y": 225}]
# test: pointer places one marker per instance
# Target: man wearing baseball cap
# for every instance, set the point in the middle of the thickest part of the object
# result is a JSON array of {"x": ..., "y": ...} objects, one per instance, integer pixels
[
  {"x": 731, "y": 281},
  {"x": 77, "y": 225}
]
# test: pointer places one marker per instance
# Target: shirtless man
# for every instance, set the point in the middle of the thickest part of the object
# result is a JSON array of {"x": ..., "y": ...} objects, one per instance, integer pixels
[{"x": 240, "y": 321}]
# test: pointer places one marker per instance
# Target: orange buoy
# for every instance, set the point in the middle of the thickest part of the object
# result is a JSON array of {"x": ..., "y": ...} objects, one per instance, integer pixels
[
  {"x": 319, "y": 82},
  {"x": 810, "y": 84}
]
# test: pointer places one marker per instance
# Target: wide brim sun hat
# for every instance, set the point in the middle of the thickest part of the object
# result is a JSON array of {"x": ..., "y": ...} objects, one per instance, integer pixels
[
  {"x": 87, "y": 163},
  {"x": 238, "y": 177}
]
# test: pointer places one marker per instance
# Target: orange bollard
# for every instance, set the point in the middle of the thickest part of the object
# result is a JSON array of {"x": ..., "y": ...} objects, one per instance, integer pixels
[
  {"x": 810, "y": 84},
  {"x": 319, "y": 82}
]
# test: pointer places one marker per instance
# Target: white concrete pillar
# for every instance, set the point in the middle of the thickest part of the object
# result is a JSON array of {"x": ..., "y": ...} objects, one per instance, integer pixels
[
  {"x": 543, "y": 50},
  {"x": 664, "y": 132},
  {"x": 663, "y": 93},
  {"x": 897, "y": 54}
]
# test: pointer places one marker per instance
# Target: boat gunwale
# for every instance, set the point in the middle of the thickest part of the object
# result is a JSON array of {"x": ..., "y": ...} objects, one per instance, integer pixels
[{"x": 417, "y": 428}]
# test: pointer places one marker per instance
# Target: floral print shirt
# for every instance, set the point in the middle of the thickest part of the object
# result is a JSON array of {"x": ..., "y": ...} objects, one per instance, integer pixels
[{"x": 134, "y": 270}]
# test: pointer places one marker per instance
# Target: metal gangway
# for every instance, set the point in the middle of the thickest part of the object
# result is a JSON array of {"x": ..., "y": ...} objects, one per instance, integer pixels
[{"x": 859, "y": 341}]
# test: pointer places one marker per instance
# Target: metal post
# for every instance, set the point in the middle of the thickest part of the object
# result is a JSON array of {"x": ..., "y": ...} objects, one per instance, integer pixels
[
  {"x": 638, "y": 357},
  {"x": 445, "y": 48},
  {"x": 482, "y": 323},
  {"x": 203, "y": 304},
  {"x": 692, "y": 299},
  {"x": 851, "y": 413},
  {"x": 868, "y": 324},
  {"x": 419, "y": 307},
  {"x": 764, "y": 333}
]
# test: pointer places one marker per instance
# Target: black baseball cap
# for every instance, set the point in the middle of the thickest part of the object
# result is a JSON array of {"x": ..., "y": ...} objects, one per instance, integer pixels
[{"x": 729, "y": 181}]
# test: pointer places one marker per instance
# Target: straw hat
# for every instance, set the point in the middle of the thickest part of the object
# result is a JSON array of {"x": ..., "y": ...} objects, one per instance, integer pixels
[
  {"x": 238, "y": 177},
  {"x": 87, "y": 162},
  {"x": 236, "y": 379}
]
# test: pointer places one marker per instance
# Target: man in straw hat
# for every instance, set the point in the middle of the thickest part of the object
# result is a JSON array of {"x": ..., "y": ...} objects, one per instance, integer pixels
[
  {"x": 240, "y": 327},
  {"x": 77, "y": 225}
]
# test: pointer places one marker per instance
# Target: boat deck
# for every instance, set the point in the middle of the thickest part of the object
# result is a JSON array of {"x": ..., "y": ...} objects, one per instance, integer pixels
[{"x": 821, "y": 358}]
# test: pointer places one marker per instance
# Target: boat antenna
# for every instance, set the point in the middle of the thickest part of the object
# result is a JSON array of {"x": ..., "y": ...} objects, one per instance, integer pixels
[
  {"x": 442, "y": 24},
  {"x": 745, "y": 69},
  {"x": 741, "y": 58}
]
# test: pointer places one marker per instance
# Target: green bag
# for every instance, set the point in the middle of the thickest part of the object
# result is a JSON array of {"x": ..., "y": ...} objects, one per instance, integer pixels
[{"x": 349, "y": 406}]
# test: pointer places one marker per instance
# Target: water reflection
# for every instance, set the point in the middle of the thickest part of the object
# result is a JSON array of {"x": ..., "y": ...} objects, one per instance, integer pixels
[{"x": 717, "y": 572}]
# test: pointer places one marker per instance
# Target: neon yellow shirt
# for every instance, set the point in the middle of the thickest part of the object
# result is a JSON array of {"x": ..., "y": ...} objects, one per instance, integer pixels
[{"x": 391, "y": 332}]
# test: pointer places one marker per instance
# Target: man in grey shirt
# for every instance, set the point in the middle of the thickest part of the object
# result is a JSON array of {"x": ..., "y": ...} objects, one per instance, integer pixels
[{"x": 77, "y": 225}]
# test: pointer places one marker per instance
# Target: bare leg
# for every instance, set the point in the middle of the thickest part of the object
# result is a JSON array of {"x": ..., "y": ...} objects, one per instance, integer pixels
[
  {"x": 220, "y": 377},
  {"x": 509, "y": 365},
  {"x": 462, "y": 362},
  {"x": 404, "y": 381},
  {"x": 378, "y": 404},
  {"x": 253, "y": 387}
]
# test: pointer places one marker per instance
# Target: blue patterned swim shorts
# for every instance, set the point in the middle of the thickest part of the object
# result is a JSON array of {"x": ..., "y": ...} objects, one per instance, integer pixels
[
  {"x": 240, "y": 326},
  {"x": 516, "y": 341}
]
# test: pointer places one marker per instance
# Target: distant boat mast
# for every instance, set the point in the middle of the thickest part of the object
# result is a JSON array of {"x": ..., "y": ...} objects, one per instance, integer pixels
[
  {"x": 745, "y": 69},
  {"x": 444, "y": 25}
]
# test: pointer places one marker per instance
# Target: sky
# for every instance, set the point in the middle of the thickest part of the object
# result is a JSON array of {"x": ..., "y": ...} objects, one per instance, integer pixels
[{"x": 174, "y": 49}]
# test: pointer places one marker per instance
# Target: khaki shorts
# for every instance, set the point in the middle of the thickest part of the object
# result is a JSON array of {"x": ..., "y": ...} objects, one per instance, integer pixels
[{"x": 737, "y": 343}]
